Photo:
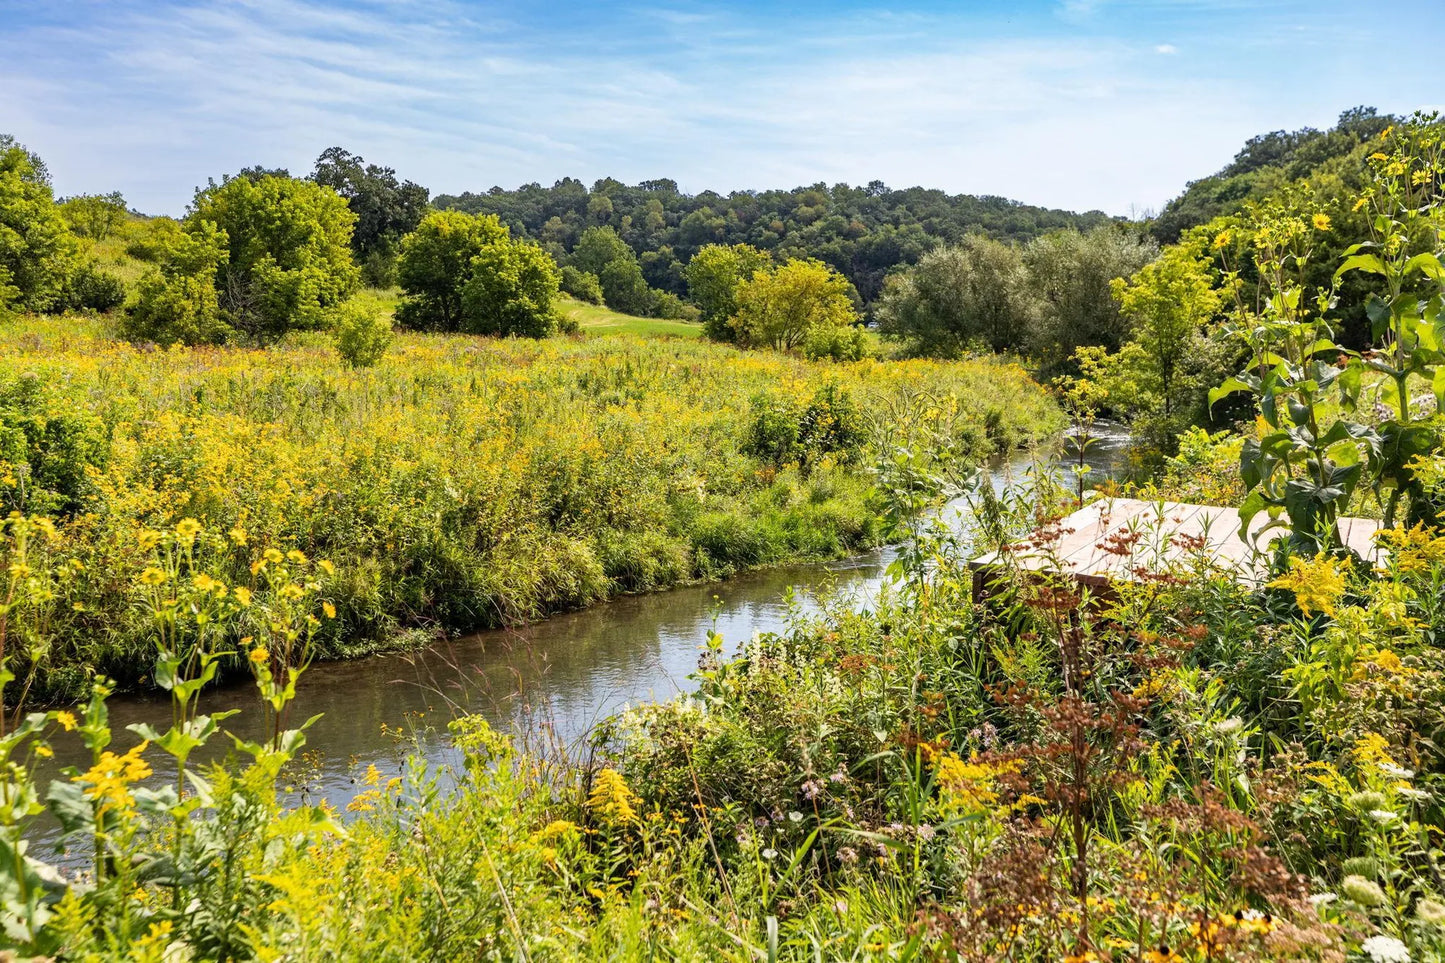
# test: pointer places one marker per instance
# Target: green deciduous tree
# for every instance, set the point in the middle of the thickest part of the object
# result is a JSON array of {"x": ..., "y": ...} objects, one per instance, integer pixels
[
  {"x": 512, "y": 291},
  {"x": 177, "y": 300},
  {"x": 778, "y": 308},
  {"x": 37, "y": 252},
  {"x": 974, "y": 294},
  {"x": 582, "y": 285},
  {"x": 713, "y": 276},
  {"x": 386, "y": 209},
  {"x": 1160, "y": 378},
  {"x": 597, "y": 248},
  {"x": 96, "y": 216},
  {"x": 288, "y": 252},
  {"x": 362, "y": 331},
  {"x": 1167, "y": 304},
  {"x": 1070, "y": 274},
  {"x": 435, "y": 263},
  {"x": 625, "y": 289}
]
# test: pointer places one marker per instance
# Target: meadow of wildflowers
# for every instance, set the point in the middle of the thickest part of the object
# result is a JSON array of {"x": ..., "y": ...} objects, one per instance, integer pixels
[{"x": 463, "y": 483}]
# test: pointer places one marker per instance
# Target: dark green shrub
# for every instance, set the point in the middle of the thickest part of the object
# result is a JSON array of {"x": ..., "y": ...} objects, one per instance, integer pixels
[
  {"x": 835, "y": 344},
  {"x": 582, "y": 285},
  {"x": 90, "y": 289},
  {"x": 47, "y": 450},
  {"x": 772, "y": 430}
]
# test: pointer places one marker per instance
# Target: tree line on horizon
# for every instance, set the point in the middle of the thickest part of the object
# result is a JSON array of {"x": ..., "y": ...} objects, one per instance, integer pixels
[{"x": 263, "y": 252}]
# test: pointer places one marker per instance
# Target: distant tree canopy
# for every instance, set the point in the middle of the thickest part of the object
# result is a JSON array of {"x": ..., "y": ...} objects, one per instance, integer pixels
[
  {"x": 1266, "y": 163},
  {"x": 386, "y": 209},
  {"x": 465, "y": 273},
  {"x": 862, "y": 232}
]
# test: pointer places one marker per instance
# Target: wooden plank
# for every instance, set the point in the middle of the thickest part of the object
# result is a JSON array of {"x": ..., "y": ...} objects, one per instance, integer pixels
[{"x": 1116, "y": 539}]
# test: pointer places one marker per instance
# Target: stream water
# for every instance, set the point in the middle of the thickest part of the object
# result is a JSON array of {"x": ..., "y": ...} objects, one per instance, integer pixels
[{"x": 549, "y": 682}]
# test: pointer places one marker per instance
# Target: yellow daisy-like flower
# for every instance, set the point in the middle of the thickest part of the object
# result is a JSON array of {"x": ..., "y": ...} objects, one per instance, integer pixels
[
  {"x": 1321, "y": 222},
  {"x": 188, "y": 528},
  {"x": 153, "y": 576},
  {"x": 66, "y": 720},
  {"x": 273, "y": 556},
  {"x": 329, "y": 609},
  {"x": 206, "y": 583},
  {"x": 260, "y": 655},
  {"x": 326, "y": 566},
  {"x": 238, "y": 535},
  {"x": 243, "y": 594},
  {"x": 296, "y": 556},
  {"x": 109, "y": 779}
]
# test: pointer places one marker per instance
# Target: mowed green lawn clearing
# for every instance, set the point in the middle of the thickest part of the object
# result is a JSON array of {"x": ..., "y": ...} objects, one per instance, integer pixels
[{"x": 596, "y": 319}]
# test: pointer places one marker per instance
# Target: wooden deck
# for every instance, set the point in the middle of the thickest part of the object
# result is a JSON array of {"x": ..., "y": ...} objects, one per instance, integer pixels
[{"x": 1126, "y": 539}]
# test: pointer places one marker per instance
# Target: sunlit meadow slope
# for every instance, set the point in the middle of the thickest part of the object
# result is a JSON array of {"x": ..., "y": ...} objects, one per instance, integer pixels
[{"x": 463, "y": 482}]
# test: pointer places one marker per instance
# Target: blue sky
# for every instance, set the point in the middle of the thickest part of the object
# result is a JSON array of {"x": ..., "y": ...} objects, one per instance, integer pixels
[{"x": 1083, "y": 104}]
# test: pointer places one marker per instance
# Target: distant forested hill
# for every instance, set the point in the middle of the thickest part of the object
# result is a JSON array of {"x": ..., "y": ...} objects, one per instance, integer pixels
[
  {"x": 1266, "y": 163},
  {"x": 864, "y": 232}
]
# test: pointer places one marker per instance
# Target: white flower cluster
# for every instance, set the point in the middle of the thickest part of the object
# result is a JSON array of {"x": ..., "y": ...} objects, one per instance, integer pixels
[{"x": 1386, "y": 949}]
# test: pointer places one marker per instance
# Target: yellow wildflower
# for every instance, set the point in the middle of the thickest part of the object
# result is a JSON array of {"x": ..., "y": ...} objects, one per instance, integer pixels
[
  {"x": 968, "y": 785},
  {"x": 243, "y": 594},
  {"x": 188, "y": 529},
  {"x": 329, "y": 609},
  {"x": 260, "y": 655},
  {"x": 109, "y": 779},
  {"x": 611, "y": 798},
  {"x": 153, "y": 576},
  {"x": 238, "y": 535},
  {"x": 326, "y": 566},
  {"x": 205, "y": 583},
  {"x": 1318, "y": 583},
  {"x": 1321, "y": 222},
  {"x": 296, "y": 556},
  {"x": 66, "y": 720},
  {"x": 557, "y": 827},
  {"x": 272, "y": 555}
]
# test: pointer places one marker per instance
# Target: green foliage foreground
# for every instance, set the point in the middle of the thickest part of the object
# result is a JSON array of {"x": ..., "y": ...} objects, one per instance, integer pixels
[
  {"x": 463, "y": 483},
  {"x": 1187, "y": 771}
]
